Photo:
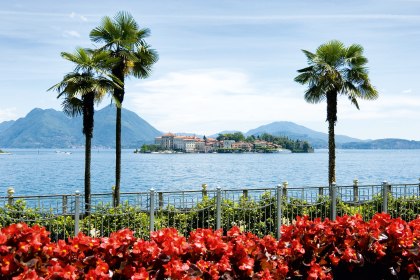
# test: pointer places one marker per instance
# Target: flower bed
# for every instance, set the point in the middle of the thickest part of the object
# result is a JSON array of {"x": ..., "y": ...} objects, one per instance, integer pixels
[{"x": 347, "y": 248}]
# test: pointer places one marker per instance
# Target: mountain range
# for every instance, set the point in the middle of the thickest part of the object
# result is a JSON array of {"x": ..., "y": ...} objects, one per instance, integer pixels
[
  {"x": 48, "y": 128},
  {"x": 53, "y": 129}
]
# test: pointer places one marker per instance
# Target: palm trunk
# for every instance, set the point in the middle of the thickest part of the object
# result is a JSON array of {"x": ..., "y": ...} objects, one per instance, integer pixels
[
  {"x": 332, "y": 119},
  {"x": 331, "y": 152},
  {"x": 88, "y": 112},
  {"x": 88, "y": 153},
  {"x": 117, "y": 158},
  {"x": 118, "y": 94}
]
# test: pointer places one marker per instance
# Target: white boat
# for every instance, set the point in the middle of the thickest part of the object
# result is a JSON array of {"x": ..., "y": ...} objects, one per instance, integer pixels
[{"x": 62, "y": 152}]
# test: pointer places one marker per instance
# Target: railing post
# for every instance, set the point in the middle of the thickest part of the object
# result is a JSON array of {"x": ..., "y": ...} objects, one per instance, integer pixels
[
  {"x": 333, "y": 195},
  {"x": 419, "y": 188},
  {"x": 76, "y": 212},
  {"x": 385, "y": 190},
  {"x": 245, "y": 193},
  {"x": 64, "y": 202},
  {"x": 204, "y": 190},
  {"x": 321, "y": 191},
  {"x": 218, "y": 207},
  {"x": 285, "y": 184},
  {"x": 356, "y": 190},
  {"x": 114, "y": 200},
  {"x": 279, "y": 210},
  {"x": 160, "y": 194},
  {"x": 10, "y": 192},
  {"x": 152, "y": 210}
]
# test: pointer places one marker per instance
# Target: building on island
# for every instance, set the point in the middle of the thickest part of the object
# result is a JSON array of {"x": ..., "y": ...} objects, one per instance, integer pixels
[
  {"x": 245, "y": 146},
  {"x": 166, "y": 141},
  {"x": 227, "y": 144},
  {"x": 188, "y": 144}
]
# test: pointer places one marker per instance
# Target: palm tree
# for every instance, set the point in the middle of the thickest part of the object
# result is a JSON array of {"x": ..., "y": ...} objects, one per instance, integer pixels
[
  {"x": 123, "y": 38},
  {"x": 81, "y": 89},
  {"x": 335, "y": 70}
]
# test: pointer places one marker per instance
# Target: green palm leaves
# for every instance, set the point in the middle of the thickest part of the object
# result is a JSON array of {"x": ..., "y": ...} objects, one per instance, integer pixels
[
  {"x": 125, "y": 41},
  {"x": 333, "y": 70},
  {"x": 86, "y": 84}
]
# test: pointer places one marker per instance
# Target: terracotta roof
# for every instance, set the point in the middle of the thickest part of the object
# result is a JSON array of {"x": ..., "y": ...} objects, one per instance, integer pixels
[{"x": 168, "y": 134}]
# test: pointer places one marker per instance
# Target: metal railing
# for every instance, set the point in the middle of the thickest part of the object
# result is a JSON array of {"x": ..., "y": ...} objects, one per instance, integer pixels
[{"x": 261, "y": 211}]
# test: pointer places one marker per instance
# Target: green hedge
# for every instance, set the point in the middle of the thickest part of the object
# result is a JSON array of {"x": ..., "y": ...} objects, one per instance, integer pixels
[{"x": 257, "y": 216}]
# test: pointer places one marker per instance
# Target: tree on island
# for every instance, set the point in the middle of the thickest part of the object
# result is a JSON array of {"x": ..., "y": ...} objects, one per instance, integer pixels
[
  {"x": 81, "y": 89},
  {"x": 125, "y": 41},
  {"x": 335, "y": 70},
  {"x": 237, "y": 137}
]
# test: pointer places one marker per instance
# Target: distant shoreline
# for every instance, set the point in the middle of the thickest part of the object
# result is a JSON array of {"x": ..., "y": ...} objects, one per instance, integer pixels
[{"x": 284, "y": 151}]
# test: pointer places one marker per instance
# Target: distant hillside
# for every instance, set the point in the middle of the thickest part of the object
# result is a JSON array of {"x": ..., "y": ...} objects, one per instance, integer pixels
[
  {"x": 135, "y": 130},
  {"x": 383, "y": 144},
  {"x": 295, "y": 131},
  {"x": 5, "y": 125},
  {"x": 53, "y": 129}
]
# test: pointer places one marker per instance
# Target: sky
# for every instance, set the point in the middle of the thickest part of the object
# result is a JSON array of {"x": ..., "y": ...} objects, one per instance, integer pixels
[{"x": 223, "y": 65}]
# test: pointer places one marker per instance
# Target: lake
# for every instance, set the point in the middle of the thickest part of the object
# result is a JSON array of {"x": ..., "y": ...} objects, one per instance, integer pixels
[{"x": 52, "y": 172}]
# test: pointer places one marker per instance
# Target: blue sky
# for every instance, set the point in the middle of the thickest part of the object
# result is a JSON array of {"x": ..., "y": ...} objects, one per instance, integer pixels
[{"x": 223, "y": 64}]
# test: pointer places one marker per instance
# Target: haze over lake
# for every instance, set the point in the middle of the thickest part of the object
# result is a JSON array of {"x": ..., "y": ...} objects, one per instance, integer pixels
[{"x": 49, "y": 172}]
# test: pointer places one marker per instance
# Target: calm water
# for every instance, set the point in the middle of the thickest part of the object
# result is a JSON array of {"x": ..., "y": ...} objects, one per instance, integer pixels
[{"x": 48, "y": 172}]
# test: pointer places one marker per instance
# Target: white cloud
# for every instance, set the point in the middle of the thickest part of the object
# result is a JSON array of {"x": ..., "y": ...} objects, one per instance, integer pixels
[
  {"x": 71, "y": 33},
  {"x": 73, "y": 15},
  {"x": 211, "y": 100},
  {"x": 7, "y": 114},
  {"x": 395, "y": 106},
  {"x": 407, "y": 91}
]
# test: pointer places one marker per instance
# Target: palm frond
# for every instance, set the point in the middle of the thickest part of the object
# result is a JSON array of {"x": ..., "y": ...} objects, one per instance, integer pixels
[
  {"x": 306, "y": 69},
  {"x": 337, "y": 69},
  {"x": 146, "y": 58},
  {"x": 315, "y": 94},
  {"x": 72, "y": 106},
  {"x": 304, "y": 78},
  {"x": 353, "y": 100},
  {"x": 310, "y": 56},
  {"x": 104, "y": 32}
]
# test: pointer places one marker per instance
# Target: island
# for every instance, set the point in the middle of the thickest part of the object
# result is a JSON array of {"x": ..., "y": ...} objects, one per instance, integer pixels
[
  {"x": 4, "y": 153},
  {"x": 225, "y": 143}
]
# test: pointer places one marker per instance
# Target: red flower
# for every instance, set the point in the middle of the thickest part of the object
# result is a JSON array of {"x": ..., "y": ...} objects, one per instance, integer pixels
[
  {"x": 247, "y": 264},
  {"x": 102, "y": 269},
  {"x": 379, "y": 249},
  {"x": 7, "y": 264},
  {"x": 334, "y": 259},
  {"x": 175, "y": 268},
  {"x": 316, "y": 272},
  {"x": 298, "y": 247},
  {"x": 140, "y": 275},
  {"x": 3, "y": 238}
]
